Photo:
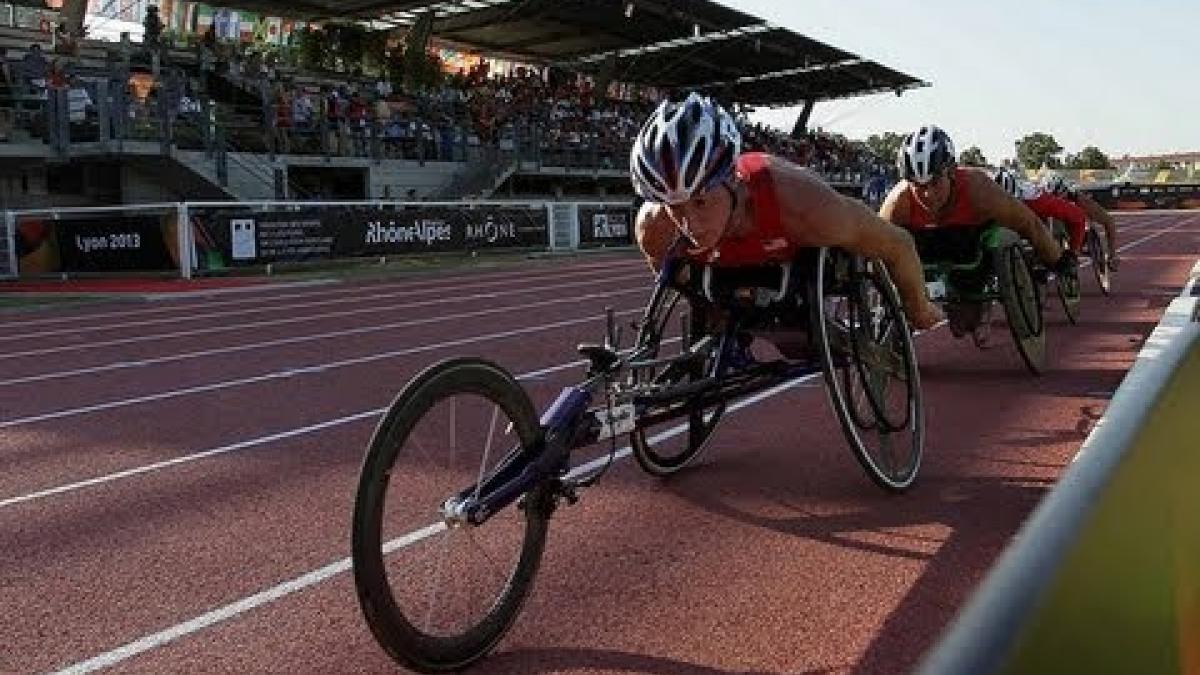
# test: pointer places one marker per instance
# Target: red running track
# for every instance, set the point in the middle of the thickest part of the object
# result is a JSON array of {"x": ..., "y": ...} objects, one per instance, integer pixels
[{"x": 181, "y": 504}]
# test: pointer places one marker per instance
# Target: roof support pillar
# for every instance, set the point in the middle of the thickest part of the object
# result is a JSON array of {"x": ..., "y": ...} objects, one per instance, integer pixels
[
  {"x": 72, "y": 13},
  {"x": 801, "y": 126}
]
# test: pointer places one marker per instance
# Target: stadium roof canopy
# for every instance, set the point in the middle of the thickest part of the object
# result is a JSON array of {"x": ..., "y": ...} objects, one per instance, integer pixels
[{"x": 684, "y": 44}]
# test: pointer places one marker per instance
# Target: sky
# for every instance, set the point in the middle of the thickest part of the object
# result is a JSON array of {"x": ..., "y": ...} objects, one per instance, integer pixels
[{"x": 1118, "y": 75}]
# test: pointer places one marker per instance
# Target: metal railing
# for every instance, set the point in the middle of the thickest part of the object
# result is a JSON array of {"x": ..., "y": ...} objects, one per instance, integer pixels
[
  {"x": 8, "y": 254},
  {"x": 58, "y": 118},
  {"x": 1101, "y": 577}
]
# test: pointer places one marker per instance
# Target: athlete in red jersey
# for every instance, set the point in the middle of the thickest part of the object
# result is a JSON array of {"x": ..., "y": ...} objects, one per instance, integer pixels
[
  {"x": 935, "y": 193},
  {"x": 766, "y": 242},
  {"x": 1046, "y": 205},
  {"x": 1057, "y": 185},
  {"x": 753, "y": 208}
]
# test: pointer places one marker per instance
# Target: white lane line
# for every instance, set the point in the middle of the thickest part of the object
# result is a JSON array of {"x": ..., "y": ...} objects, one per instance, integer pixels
[
  {"x": 158, "y": 466},
  {"x": 279, "y": 591},
  {"x": 1155, "y": 235},
  {"x": 213, "y": 291},
  {"x": 262, "y": 344},
  {"x": 224, "y": 315},
  {"x": 490, "y": 281},
  {"x": 156, "y": 337},
  {"x": 120, "y": 365},
  {"x": 241, "y": 445},
  {"x": 282, "y": 590},
  {"x": 357, "y": 289},
  {"x": 227, "y": 384},
  {"x": 294, "y": 371},
  {"x": 156, "y": 640}
]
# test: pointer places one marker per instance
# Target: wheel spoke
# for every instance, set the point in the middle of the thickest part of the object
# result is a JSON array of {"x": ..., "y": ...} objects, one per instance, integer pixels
[
  {"x": 439, "y": 565},
  {"x": 487, "y": 451},
  {"x": 866, "y": 327},
  {"x": 663, "y": 454}
]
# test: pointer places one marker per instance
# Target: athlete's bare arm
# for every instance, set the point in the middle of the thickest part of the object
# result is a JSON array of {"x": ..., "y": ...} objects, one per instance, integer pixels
[
  {"x": 655, "y": 232},
  {"x": 993, "y": 203},
  {"x": 895, "y": 207},
  {"x": 1100, "y": 215},
  {"x": 815, "y": 215}
]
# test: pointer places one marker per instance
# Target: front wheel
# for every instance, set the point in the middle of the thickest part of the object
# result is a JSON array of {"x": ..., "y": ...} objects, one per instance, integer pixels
[
  {"x": 669, "y": 447},
  {"x": 439, "y": 593},
  {"x": 870, "y": 367}
]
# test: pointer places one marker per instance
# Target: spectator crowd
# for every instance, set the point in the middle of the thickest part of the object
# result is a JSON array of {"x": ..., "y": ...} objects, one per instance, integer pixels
[{"x": 560, "y": 119}]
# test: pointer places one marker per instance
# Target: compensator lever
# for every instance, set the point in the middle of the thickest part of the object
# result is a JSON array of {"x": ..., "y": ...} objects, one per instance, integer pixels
[{"x": 604, "y": 357}]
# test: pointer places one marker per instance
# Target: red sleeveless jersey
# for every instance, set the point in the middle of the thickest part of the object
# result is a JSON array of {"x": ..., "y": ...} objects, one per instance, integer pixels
[
  {"x": 960, "y": 214},
  {"x": 765, "y": 242}
]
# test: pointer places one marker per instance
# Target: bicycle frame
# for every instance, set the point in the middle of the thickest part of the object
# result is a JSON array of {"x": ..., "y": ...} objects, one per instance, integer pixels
[
  {"x": 941, "y": 272},
  {"x": 570, "y": 422}
]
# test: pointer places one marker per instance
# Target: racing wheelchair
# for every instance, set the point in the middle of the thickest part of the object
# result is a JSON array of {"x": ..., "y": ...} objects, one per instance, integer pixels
[
  {"x": 1067, "y": 285},
  {"x": 450, "y": 522},
  {"x": 1097, "y": 250},
  {"x": 972, "y": 270}
]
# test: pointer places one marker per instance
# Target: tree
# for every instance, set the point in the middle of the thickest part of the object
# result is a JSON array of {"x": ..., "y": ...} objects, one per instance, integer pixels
[
  {"x": 375, "y": 52},
  {"x": 1089, "y": 158},
  {"x": 972, "y": 156},
  {"x": 1038, "y": 149},
  {"x": 886, "y": 146},
  {"x": 348, "y": 44},
  {"x": 312, "y": 47}
]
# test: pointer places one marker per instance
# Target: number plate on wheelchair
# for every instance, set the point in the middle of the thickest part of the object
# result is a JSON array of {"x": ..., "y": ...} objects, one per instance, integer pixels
[
  {"x": 623, "y": 421},
  {"x": 936, "y": 289}
]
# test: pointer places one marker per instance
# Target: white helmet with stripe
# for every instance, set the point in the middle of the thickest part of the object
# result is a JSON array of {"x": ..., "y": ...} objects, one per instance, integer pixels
[
  {"x": 683, "y": 150},
  {"x": 924, "y": 154},
  {"x": 1008, "y": 180},
  {"x": 1055, "y": 184}
]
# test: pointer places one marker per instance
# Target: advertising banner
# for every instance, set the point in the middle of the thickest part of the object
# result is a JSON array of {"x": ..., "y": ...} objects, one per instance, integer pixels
[
  {"x": 377, "y": 232},
  {"x": 605, "y": 225},
  {"x": 114, "y": 243},
  {"x": 257, "y": 238}
]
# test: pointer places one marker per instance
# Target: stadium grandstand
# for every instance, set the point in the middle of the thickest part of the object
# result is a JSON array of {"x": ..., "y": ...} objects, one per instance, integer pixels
[{"x": 395, "y": 100}]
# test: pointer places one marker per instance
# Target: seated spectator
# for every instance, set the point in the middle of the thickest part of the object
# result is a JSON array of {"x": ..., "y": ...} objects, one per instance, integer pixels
[
  {"x": 283, "y": 123},
  {"x": 64, "y": 43},
  {"x": 358, "y": 121},
  {"x": 302, "y": 112},
  {"x": 334, "y": 110},
  {"x": 34, "y": 69}
]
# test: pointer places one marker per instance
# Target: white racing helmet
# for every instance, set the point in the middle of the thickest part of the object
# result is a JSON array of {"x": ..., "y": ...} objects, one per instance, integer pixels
[
  {"x": 924, "y": 154},
  {"x": 1008, "y": 180},
  {"x": 683, "y": 150},
  {"x": 1055, "y": 184}
]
